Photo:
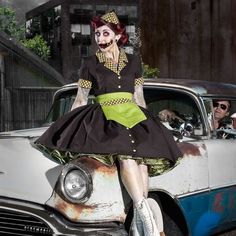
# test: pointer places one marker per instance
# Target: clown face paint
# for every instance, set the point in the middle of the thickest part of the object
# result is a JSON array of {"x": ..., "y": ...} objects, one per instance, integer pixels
[{"x": 105, "y": 38}]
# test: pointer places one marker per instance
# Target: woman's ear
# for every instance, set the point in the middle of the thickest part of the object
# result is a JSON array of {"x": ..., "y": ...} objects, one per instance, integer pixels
[{"x": 117, "y": 37}]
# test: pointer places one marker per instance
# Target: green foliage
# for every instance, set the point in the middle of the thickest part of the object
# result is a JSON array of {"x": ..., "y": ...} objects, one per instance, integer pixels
[
  {"x": 9, "y": 25},
  {"x": 38, "y": 45},
  {"x": 149, "y": 72}
]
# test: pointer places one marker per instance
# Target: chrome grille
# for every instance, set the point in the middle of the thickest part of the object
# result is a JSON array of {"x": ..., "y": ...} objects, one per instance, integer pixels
[{"x": 14, "y": 223}]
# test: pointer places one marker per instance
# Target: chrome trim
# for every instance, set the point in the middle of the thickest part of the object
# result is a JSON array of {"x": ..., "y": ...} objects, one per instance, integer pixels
[
  {"x": 193, "y": 193},
  {"x": 177, "y": 197},
  {"x": 58, "y": 224},
  {"x": 209, "y": 189},
  {"x": 198, "y": 87},
  {"x": 69, "y": 167},
  {"x": 35, "y": 211}
]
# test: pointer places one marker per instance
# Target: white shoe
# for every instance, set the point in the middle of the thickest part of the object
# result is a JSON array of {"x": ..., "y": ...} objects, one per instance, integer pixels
[
  {"x": 157, "y": 213},
  {"x": 146, "y": 216},
  {"x": 136, "y": 228}
]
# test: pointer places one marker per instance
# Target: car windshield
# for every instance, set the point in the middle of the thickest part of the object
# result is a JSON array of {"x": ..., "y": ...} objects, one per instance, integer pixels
[{"x": 61, "y": 105}]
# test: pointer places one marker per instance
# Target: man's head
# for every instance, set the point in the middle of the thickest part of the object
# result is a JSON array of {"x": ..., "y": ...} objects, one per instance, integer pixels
[{"x": 221, "y": 109}]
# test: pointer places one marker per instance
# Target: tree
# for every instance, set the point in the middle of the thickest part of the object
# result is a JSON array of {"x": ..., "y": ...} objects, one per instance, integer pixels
[
  {"x": 10, "y": 26},
  {"x": 150, "y": 72},
  {"x": 38, "y": 45}
]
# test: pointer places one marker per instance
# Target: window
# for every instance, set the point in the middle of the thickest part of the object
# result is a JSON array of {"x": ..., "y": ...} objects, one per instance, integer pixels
[
  {"x": 219, "y": 112},
  {"x": 188, "y": 119}
]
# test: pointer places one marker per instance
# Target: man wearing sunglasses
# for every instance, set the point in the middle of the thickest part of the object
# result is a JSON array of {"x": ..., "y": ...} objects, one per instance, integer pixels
[{"x": 221, "y": 111}]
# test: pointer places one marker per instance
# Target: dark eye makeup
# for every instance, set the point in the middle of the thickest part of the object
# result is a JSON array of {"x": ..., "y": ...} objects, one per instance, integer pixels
[
  {"x": 104, "y": 33},
  {"x": 97, "y": 33}
]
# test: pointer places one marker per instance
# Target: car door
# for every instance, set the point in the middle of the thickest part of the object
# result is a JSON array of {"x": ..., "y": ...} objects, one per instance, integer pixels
[{"x": 222, "y": 175}]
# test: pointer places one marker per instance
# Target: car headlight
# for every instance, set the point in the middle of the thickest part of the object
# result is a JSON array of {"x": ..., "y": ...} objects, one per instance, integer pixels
[{"x": 76, "y": 184}]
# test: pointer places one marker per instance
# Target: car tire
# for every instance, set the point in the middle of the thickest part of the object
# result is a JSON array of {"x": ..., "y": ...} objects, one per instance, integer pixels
[{"x": 170, "y": 227}]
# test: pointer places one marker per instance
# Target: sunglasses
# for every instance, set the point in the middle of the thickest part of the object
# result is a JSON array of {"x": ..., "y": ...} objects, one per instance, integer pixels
[{"x": 220, "y": 105}]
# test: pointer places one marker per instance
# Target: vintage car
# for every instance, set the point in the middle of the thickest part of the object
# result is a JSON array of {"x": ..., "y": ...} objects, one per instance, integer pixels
[{"x": 41, "y": 195}]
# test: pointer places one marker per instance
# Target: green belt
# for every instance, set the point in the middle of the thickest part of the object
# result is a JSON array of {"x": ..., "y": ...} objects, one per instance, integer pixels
[{"x": 120, "y": 108}]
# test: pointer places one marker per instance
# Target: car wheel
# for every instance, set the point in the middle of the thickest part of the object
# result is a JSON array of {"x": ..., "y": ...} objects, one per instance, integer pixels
[
  {"x": 171, "y": 217},
  {"x": 170, "y": 227}
]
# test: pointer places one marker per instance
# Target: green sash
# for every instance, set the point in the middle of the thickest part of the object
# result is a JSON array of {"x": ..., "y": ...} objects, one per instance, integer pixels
[{"x": 120, "y": 108}]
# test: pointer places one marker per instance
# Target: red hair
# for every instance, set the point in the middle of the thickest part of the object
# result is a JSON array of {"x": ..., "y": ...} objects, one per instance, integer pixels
[{"x": 119, "y": 28}]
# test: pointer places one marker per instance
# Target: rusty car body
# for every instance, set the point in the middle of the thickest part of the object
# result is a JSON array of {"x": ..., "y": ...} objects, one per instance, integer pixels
[{"x": 40, "y": 196}]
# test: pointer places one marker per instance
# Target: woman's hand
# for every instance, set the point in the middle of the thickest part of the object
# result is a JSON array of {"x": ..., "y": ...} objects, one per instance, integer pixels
[
  {"x": 167, "y": 115},
  {"x": 81, "y": 98},
  {"x": 138, "y": 96}
]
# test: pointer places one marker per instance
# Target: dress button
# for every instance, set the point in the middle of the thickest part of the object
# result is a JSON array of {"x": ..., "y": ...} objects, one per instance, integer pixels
[
  {"x": 130, "y": 135},
  {"x": 132, "y": 141},
  {"x": 134, "y": 150},
  {"x": 119, "y": 77},
  {"x": 119, "y": 86},
  {"x": 127, "y": 128}
]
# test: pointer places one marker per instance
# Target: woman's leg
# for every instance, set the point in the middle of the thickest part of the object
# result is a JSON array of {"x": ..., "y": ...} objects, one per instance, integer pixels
[
  {"x": 144, "y": 174},
  {"x": 153, "y": 204},
  {"x": 133, "y": 182},
  {"x": 132, "y": 179}
]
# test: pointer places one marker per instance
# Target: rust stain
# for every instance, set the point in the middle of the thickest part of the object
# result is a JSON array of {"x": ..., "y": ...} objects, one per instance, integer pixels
[
  {"x": 231, "y": 201},
  {"x": 190, "y": 149},
  {"x": 217, "y": 205},
  {"x": 95, "y": 165},
  {"x": 71, "y": 210},
  {"x": 74, "y": 211},
  {"x": 108, "y": 170},
  {"x": 232, "y": 198}
]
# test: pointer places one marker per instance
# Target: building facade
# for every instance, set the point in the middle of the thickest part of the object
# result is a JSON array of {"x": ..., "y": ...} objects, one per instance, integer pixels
[
  {"x": 27, "y": 85},
  {"x": 188, "y": 39},
  {"x": 65, "y": 24}
]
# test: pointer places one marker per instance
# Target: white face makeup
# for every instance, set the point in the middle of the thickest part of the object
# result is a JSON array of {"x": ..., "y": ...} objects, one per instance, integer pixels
[{"x": 105, "y": 38}]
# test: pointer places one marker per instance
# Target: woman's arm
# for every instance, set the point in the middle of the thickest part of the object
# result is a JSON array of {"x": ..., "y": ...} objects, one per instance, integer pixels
[
  {"x": 81, "y": 97},
  {"x": 138, "y": 96}
]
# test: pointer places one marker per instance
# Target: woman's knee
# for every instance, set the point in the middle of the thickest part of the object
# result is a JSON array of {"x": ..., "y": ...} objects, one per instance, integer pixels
[
  {"x": 128, "y": 163},
  {"x": 143, "y": 168}
]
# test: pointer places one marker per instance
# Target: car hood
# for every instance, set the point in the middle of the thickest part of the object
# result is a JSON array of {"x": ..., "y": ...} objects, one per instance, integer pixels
[
  {"x": 25, "y": 170},
  {"x": 28, "y": 133}
]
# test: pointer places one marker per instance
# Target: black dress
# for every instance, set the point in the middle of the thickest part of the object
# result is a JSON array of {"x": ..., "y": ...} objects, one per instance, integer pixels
[{"x": 86, "y": 130}]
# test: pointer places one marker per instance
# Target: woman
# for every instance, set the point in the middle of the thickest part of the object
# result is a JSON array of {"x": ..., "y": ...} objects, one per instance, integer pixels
[{"x": 118, "y": 126}]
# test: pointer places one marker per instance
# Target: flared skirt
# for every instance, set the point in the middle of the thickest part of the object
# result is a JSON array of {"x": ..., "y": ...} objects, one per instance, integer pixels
[{"x": 85, "y": 130}]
